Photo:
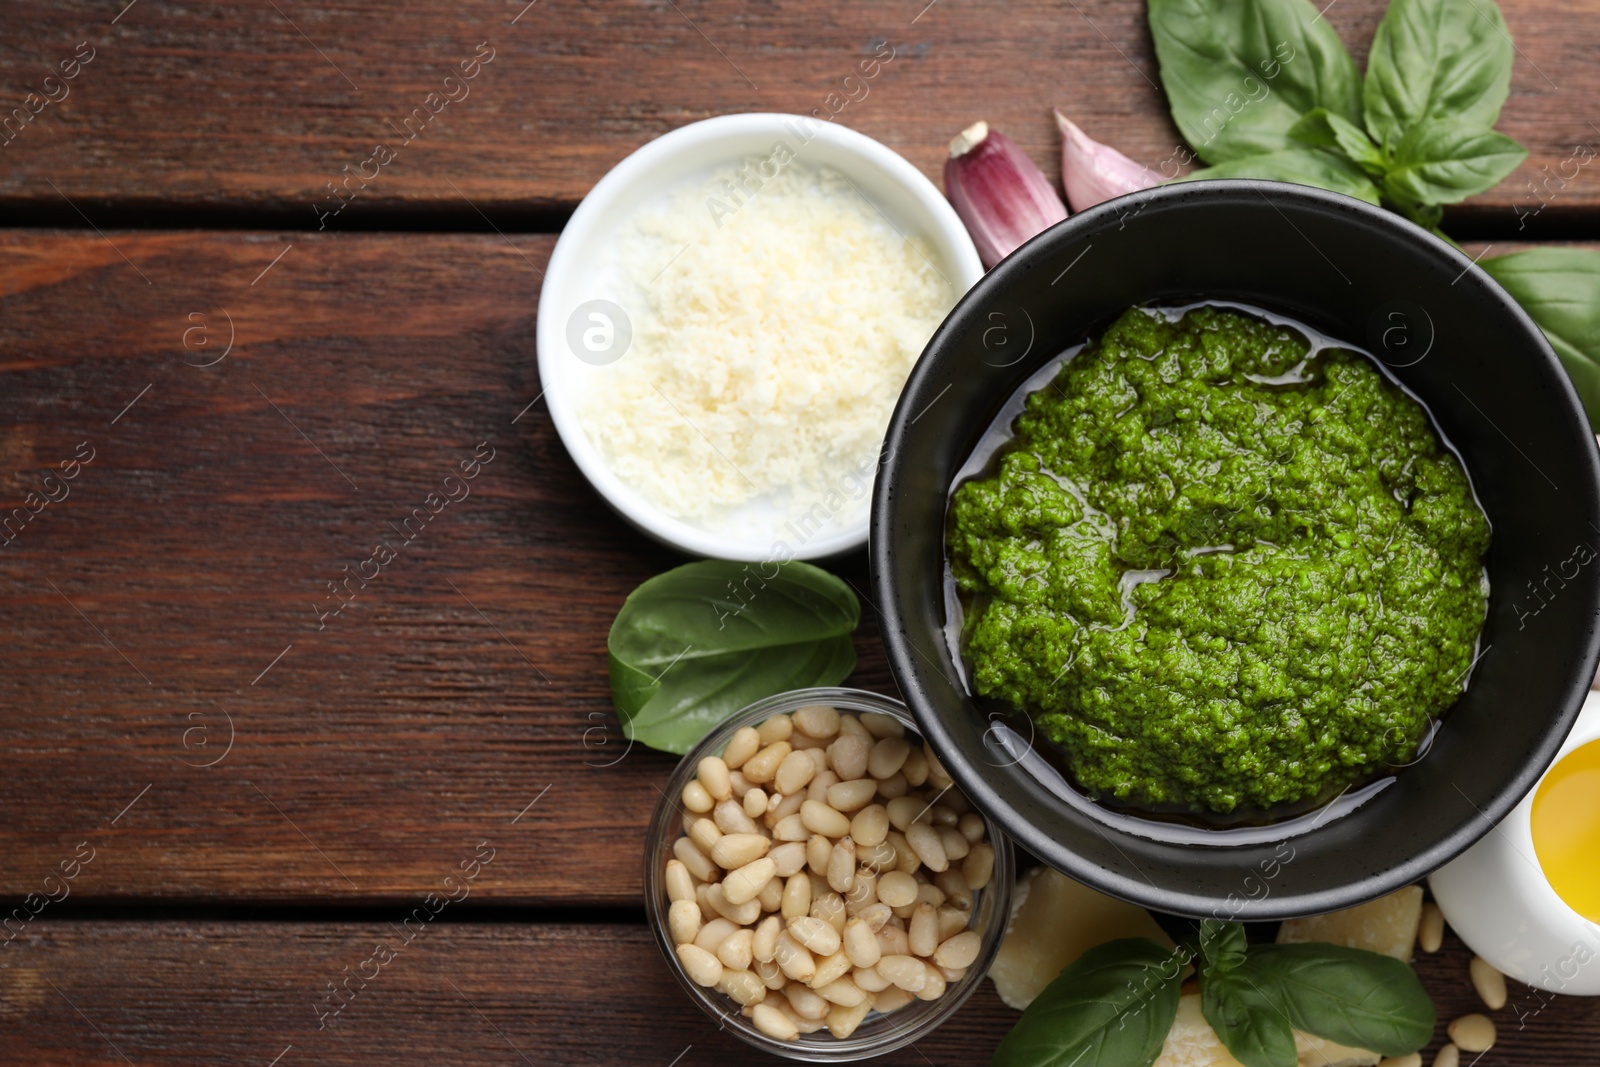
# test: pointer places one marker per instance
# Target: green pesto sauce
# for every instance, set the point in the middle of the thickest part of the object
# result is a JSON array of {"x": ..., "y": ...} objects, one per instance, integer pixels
[{"x": 1214, "y": 590}]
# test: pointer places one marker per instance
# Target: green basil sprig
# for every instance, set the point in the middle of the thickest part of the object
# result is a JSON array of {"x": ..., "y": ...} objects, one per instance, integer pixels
[
  {"x": 1112, "y": 1008},
  {"x": 1559, "y": 288},
  {"x": 1115, "y": 1005},
  {"x": 1415, "y": 133},
  {"x": 694, "y": 645}
]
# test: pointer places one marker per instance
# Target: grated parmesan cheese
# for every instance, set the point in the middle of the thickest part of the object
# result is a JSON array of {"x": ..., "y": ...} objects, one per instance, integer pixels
[{"x": 772, "y": 334}]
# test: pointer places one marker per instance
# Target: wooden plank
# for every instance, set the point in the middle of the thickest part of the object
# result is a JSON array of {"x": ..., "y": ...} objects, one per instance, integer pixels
[
  {"x": 159, "y": 601},
  {"x": 243, "y": 993},
  {"x": 182, "y": 104}
]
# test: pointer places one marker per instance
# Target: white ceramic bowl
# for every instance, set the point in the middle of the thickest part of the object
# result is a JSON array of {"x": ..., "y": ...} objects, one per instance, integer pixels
[
  {"x": 1497, "y": 898},
  {"x": 576, "y": 276}
]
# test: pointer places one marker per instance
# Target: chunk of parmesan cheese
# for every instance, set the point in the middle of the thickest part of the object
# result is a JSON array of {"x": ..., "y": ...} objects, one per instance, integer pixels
[
  {"x": 774, "y": 323},
  {"x": 1387, "y": 925}
]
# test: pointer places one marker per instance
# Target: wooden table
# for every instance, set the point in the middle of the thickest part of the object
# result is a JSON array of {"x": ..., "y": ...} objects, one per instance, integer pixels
[{"x": 248, "y": 793}]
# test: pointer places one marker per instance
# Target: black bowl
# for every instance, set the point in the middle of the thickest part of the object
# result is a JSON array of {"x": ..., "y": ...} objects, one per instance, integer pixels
[{"x": 1450, "y": 334}]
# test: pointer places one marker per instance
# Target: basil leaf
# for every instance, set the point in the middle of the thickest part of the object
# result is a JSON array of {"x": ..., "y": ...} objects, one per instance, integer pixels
[
  {"x": 694, "y": 645},
  {"x": 1241, "y": 1007},
  {"x": 1302, "y": 166},
  {"x": 1445, "y": 162},
  {"x": 1238, "y": 73},
  {"x": 1559, "y": 288},
  {"x": 1347, "y": 995},
  {"x": 1324, "y": 129},
  {"x": 1436, "y": 59},
  {"x": 1222, "y": 946},
  {"x": 1112, "y": 1008}
]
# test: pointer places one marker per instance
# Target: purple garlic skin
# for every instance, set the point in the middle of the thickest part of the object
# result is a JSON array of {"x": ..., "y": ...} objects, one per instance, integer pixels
[
  {"x": 1001, "y": 195},
  {"x": 1093, "y": 172}
]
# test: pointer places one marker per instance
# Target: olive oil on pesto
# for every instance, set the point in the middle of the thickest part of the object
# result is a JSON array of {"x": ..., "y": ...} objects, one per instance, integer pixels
[{"x": 1222, "y": 569}]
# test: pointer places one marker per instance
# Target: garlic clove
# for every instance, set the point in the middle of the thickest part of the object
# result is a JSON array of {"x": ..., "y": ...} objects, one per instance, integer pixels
[
  {"x": 1001, "y": 194},
  {"x": 1093, "y": 172}
]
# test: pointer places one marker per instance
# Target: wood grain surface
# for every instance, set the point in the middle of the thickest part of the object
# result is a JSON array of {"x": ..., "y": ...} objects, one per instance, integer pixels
[
  {"x": 225, "y": 994},
  {"x": 190, "y": 107},
  {"x": 158, "y": 602}
]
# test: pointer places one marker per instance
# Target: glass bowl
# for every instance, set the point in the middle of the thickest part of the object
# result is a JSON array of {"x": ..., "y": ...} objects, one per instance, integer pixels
[{"x": 877, "y": 1033}]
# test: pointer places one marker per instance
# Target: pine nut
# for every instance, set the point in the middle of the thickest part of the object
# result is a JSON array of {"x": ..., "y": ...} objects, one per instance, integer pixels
[
  {"x": 926, "y": 843},
  {"x": 818, "y": 851},
  {"x": 701, "y": 966},
  {"x": 780, "y": 807},
  {"x": 842, "y": 866},
  {"x": 763, "y": 766},
  {"x": 743, "y": 914},
  {"x": 907, "y": 972},
  {"x": 771, "y": 896},
  {"x": 880, "y": 725},
  {"x": 821, "y": 819},
  {"x": 892, "y": 999},
  {"x": 702, "y": 897},
  {"x": 817, "y": 720},
  {"x": 1410, "y": 1059},
  {"x": 731, "y": 819},
  {"x": 794, "y": 773},
  {"x": 1449, "y": 1056},
  {"x": 897, "y": 889},
  {"x": 778, "y": 728},
  {"x": 1473, "y": 1033},
  {"x": 774, "y": 1023},
  {"x": 830, "y": 907},
  {"x": 816, "y": 934},
  {"x": 843, "y": 1021},
  {"x": 743, "y": 986},
  {"x": 802, "y": 743},
  {"x": 830, "y": 969},
  {"x": 892, "y": 942},
  {"x": 951, "y": 922},
  {"x": 1430, "y": 932},
  {"x": 860, "y": 943},
  {"x": 876, "y": 916},
  {"x": 905, "y": 858},
  {"x": 893, "y": 786},
  {"x": 928, "y": 893},
  {"x": 923, "y": 933},
  {"x": 848, "y": 756},
  {"x": 755, "y": 802},
  {"x": 683, "y": 921},
  {"x": 934, "y": 987},
  {"x": 696, "y": 799},
  {"x": 978, "y": 867},
  {"x": 788, "y": 857},
  {"x": 915, "y": 768},
  {"x": 771, "y": 974},
  {"x": 796, "y": 896},
  {"x": 868, "y": 980},
  {"x": 887, "y": 757},
  {"x": 697, "y": 862},
  {"x": 705, "y": 835},
  {"x": 794, "y": 959},
  {"x": 805, "y": 1002},
  {"x": 818, "y": 789},
  {"x": 953, "y": 884},
  {"x": 852, "y": 796},
  {"x": 713, "y": 775},
  {"x": 734, "y": 952},
  {"x": 791, "y": 829},
  {"x": 870, "y": 827},
  {"x": 714, "y": 933},
  {"x": 764, "y": 943},
  {"x": 850, "y": 726},
  {"x": 956, "y": 847},
  {"x": 863, "y": 894},
  {"x": 960, "y": 950},
  {"x": 680, "y": 884},
  {"x": 971, "y": 827},
  {"x": 903, "y": 811},
  {"x": 938, "y": 777},
  {"x": 841, "y": 991},
  {"x": 1490, "y": 983},
  {"x": 743, "y": 884},
  {"x": 739, "y": 784},
  {"x": 736, "y": 850},
  {"x": 744, "y": 743}
]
